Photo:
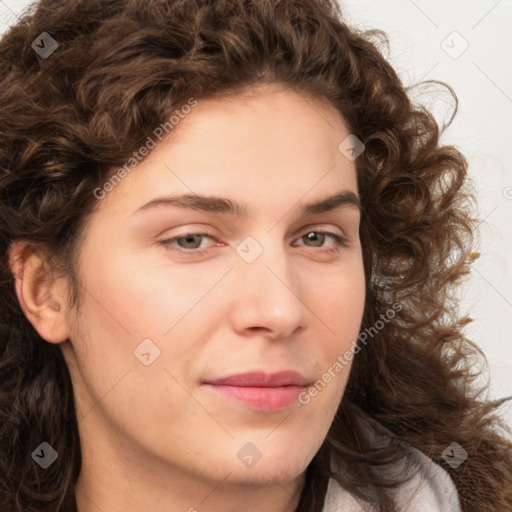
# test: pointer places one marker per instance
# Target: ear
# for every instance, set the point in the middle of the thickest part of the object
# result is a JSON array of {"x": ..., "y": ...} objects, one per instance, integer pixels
[{"x": 41, "y": 298}]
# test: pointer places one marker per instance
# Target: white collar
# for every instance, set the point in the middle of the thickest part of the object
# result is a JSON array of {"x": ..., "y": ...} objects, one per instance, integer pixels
[{"x": 430, "y": 490}]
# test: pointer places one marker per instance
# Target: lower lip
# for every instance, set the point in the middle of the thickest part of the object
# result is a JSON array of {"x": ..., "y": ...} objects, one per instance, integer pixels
[{"x": 261, "y": 399}]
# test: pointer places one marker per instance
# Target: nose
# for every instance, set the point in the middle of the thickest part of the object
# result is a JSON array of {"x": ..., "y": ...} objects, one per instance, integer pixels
[{"x": 269, "y": 295}]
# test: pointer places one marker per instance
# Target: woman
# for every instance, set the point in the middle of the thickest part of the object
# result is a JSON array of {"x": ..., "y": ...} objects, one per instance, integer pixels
[{"x": 304, "y": 352}]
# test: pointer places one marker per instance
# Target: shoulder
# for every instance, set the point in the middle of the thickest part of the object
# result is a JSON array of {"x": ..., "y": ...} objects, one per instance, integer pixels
[{"x": 429, "y": 490}]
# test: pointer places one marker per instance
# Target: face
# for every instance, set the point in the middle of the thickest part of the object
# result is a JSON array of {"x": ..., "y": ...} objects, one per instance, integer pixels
[{"x": 181, "y": 298}]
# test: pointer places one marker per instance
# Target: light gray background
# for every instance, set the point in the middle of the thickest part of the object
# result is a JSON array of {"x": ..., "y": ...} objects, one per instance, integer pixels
[{"x": 422, "y": 36}]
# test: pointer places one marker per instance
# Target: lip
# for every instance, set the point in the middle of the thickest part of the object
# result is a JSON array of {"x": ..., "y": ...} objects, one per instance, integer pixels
[
  {"x": 262, "y": 379},
  {"x": 261, "y": 391}
]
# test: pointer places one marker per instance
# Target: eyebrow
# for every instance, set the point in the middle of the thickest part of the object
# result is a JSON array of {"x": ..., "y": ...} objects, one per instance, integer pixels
[{"x": 216, "y": 204}]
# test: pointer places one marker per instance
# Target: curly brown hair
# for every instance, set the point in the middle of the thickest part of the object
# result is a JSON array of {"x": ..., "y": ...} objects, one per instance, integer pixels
[{"x": 67, "y": 123}]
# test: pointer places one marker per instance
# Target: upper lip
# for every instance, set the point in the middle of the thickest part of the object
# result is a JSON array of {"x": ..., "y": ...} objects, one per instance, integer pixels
[{"x": 261, "y": 379}]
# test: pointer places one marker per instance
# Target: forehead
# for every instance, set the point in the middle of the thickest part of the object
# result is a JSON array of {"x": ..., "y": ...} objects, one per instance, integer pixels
[{"x": 267, "y": 144}]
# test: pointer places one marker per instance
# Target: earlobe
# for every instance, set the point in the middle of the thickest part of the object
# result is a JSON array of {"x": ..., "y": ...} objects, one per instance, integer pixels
[{"x": 38, "y": 294}]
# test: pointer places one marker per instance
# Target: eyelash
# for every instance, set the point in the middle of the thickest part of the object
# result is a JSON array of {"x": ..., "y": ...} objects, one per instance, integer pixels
[{"x": 341, "y": 241}]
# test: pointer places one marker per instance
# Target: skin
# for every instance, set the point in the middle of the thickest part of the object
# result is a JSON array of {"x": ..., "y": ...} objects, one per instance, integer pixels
[{"x": 155, "y": 437}]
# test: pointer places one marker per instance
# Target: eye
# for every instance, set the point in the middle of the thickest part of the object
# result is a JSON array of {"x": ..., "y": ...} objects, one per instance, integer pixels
[
  {"x": 191, "y": 242},
  {"x": 187, "y": 243},
  {"x": 313, "y": 236}
]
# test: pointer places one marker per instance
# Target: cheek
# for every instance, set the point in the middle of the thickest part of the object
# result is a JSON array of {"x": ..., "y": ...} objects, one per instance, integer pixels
[
  {"x": 340, "y": 304},
  {"x": 143, "y": 293},
  {"x": 139, "y": 310},
  {"x": 121, "y": 326}
]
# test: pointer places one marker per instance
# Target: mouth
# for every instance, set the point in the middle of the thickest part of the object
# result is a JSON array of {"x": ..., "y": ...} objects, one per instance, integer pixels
[{"x": 261, "y": 391}]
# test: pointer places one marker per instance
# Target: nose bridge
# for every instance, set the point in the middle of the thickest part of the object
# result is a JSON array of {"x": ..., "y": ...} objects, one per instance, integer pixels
[
  {"x": 263, "y": 257},
  {"x": 268, "y": 290}
]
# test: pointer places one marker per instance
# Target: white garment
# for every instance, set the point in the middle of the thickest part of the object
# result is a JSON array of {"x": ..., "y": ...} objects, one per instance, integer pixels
[{"x": 431, "y": 490}]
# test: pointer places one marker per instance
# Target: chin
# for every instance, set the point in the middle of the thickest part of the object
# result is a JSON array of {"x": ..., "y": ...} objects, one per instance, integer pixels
[
  {"x": 268, "y": 475},
  {"x": 279, "y": 464}
]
